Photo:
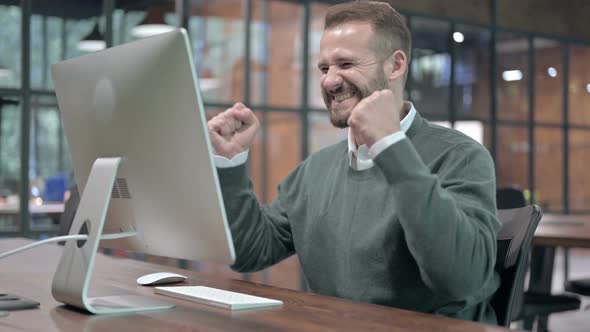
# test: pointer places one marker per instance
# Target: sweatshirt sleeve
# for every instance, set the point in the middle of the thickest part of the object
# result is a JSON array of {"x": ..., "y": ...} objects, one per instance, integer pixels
[
  {"x": 261, "y": 234},
  {"x": 448, "y": 216}
]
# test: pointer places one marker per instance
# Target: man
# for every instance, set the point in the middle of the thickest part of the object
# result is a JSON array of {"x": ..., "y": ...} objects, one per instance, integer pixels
[{"x": 402, "y": 214}]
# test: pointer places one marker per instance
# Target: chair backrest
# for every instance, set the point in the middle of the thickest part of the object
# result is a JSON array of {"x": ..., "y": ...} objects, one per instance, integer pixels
[
  {"x": 514, "y": 242},
  {"x": 509, "y": 198},
  {"x": 70, "y": 208}
]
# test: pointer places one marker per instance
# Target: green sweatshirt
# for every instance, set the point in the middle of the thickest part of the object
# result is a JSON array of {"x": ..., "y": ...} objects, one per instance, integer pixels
[{"x": 417, "y": 231}]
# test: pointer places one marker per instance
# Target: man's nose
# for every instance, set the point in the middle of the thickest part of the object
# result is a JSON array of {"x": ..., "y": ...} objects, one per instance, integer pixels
[{"x": 332, "y": 81}]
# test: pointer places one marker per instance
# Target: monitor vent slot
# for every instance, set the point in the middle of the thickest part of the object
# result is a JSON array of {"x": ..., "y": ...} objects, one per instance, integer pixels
[
  {"x": 121, "y": 189},
  {"x": 115, "y": 192}
]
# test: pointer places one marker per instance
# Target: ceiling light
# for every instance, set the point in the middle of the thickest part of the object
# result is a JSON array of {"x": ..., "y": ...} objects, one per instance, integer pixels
[
  {"x": 512, "y": 75},
  {"x": 152, "y": 24},
  {"x": 93, "y": 42},
  {"x": 551, "y": 71},
  {"x": 588, "y": 87},
  {"x": 458, "y": 37}
]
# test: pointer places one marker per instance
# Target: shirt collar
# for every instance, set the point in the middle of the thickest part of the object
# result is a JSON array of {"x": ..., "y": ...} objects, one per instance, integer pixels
[{"x": 362, "y": 153}]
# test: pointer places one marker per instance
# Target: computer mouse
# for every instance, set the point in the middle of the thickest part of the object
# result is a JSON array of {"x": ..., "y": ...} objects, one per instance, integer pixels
[{"x": 160, "y": 278}]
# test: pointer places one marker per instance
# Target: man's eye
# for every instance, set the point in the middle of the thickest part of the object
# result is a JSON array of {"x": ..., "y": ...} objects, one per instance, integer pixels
[
  {"x": 346, "y": 65},
  {"x": 324, "y": 70}
]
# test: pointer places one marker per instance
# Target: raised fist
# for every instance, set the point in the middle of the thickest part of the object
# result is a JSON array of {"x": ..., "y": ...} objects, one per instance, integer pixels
[{"x": 233, "y": 130}]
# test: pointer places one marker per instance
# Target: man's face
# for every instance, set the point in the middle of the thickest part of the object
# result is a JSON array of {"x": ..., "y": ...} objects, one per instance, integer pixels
[{"x": 350, "y": 69}]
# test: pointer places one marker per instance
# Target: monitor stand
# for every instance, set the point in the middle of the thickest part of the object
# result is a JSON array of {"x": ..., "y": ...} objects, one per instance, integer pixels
[{"x": 73, "y": 274}]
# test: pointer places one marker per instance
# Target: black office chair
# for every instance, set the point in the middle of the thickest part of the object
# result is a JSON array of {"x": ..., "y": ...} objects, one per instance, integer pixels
[
  {"x": 509, "y": 198},
  {"x": 578, "y": 286},
  {"x": 530, "y": 305},
  {"x": 514, "y": 242}
]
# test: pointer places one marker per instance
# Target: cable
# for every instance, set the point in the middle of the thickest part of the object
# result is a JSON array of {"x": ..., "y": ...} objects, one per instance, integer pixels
[{"x": 66, "y": 237}]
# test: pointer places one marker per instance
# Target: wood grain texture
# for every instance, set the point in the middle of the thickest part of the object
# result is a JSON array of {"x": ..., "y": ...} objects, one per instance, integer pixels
[{"x": 30, "y": 273}]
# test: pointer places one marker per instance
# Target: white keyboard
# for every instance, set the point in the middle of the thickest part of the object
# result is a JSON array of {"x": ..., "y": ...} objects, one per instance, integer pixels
[{"x": 217, "y": 297}]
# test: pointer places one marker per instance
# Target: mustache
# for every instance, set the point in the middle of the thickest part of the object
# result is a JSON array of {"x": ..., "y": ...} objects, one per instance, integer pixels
[{"x": 338, "y": 90}]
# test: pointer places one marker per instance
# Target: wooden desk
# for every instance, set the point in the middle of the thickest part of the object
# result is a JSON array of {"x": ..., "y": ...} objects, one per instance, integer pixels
[
  {"x": 29, "y": 274},
  {"x": 557, "y": 230}
]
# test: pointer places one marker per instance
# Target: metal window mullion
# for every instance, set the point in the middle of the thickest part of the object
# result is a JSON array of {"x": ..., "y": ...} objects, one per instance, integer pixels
[
  {"x": 304, "y": 81},
  {"x": 247, "y": 50},
  {"x": 34, "y": 109},
  {"x": 45, "y": 53},
  {"x": 305, "y": 102},
  {"x": 26, "y": 12},
  {"x": 61, "y": 142},
  {"x": 184, "y": 14},
  {"x": 493, "y": 84},
  {"x": 264, "y": 99},
  {"x": 35, "y": 132},
  {"x": 453, "y": 86},
  {"x": 108, "y": 9},
  {"x": 246, "y": 99},
  {"x": 122, "y": 28},
  {"x": 566, "y": 155},
  {"x": 1, "y": 111},
  {"x": 531, "y": 124}
]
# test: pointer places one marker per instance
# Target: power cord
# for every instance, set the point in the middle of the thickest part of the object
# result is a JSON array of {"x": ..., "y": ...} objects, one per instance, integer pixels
[
  {"x": 5, "y": 313},
  {"x": 114, "y": 236}
]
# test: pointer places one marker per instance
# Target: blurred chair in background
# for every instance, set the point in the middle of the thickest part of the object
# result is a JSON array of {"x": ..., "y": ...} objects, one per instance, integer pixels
[
  {"x": 514, "y": 242},
  {"x": 533, "y": 306}
]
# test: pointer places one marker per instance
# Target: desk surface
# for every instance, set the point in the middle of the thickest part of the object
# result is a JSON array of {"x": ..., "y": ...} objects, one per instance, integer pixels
[
  {"x": 30, "y": 273},
  {"x": 563, "y": 230}
]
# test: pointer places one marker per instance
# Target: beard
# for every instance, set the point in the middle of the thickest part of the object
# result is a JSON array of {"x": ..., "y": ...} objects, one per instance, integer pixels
[{"x": 379, "y": 82}]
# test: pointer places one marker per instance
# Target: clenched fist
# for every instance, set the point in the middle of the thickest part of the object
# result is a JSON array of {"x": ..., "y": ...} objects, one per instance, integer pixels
[
  {"x": 233, "y": 130},
  {"x": 375, "y": 117}
]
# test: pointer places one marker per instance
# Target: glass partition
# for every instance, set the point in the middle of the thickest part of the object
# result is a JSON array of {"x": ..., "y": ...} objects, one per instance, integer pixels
[
  {"x": 472, "y": 72},
  {"x": 549, "y": 168},
  {"x": 10, "y": 48},
  {"x": 512, "y": 73},
  {"x": 430, "y": 67},
  {"x": 316, "y": 29},
  {"x": 548, "y": 81},
  {"x": 276, "y": 53},
  {"x": 513, "y": 150},
  {"x": 579, "y": 85},
  {"x": 10, "y": 163},
  {"x": 217, "y": 35},
  {"x": 579, "y": 181}
]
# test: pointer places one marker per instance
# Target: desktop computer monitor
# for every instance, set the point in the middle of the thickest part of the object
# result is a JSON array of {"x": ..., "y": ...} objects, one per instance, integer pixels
[{"x": 139, "y": 103}]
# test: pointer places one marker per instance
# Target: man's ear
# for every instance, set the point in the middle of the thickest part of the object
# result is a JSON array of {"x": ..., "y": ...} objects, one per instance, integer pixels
[{"x": 397, "y": 65}]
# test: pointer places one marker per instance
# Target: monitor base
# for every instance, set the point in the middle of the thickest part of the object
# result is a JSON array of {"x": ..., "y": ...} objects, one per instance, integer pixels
[
  {"x": 126, "y": 303},
  {"x": 72, "y": 277}
]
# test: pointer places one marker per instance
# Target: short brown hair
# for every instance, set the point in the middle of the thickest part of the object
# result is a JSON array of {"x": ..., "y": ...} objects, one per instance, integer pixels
[{"x": 385, "y": 21}]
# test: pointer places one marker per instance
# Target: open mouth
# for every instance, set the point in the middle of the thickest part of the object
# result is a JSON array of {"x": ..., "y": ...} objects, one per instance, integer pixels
[{"x": 343, "y": 96}]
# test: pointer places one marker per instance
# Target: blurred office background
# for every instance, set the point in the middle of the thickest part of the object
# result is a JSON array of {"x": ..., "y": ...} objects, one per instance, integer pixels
[{"x": 512, "y": 74}]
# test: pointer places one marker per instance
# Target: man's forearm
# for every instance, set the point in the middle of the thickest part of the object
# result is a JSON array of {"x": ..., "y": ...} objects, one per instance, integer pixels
[
  {"x": 260, "y": 234},
  {"x": 449, "y": 219}
]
